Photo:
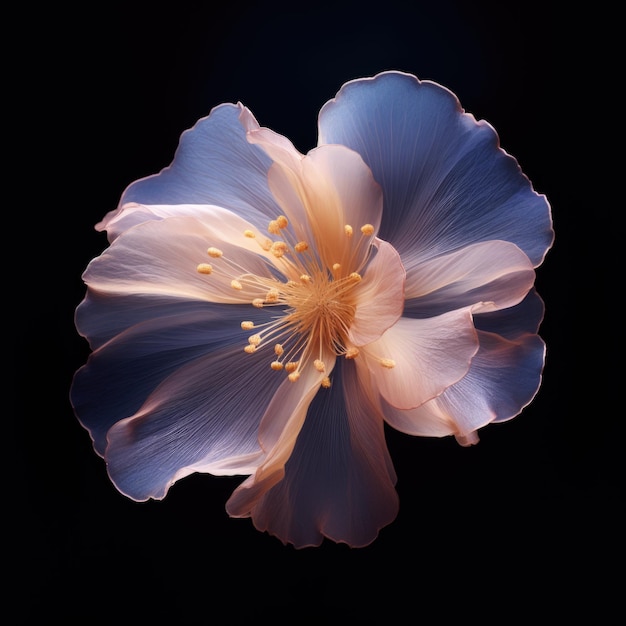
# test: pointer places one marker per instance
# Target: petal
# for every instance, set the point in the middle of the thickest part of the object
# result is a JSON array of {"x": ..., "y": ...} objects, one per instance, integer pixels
[
  {"x": 161, "y": 257},
  {"x": 429, "y": 354},
  {"x": 446, "y": 182},
  {"x": 494, "y": 272},
  {"x": 203, "y": 418},
  {"x": 380, "y": 296},
  {"x": 339, "y": 480},
  {"x": 321, "y": 193},
  {"x": 144, "y": 347},
  {"x": 214, "y": 164},
  {"x": 503, "y": 379},
  {"x": 511, "y": 323}
]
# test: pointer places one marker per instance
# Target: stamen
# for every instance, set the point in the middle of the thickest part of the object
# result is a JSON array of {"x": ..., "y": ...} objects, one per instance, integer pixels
[
  {"x": 367, "y": 230},
  {"x": 305, "y": 278},
  {"x": 301, "y": 246},
  {"x": 355, "y": 276},
  {"x": 352, "y": 353},
  {"x": 336, "y": 267},
  {"x": 278, "y": 249},
  {"x": 276, "y": 365},
  {"x": 273, "y": 227},
  {"x": 388, "y": 363},
  {"x": 348, "y": 230},
  {"x": 319, "y": 365},
  {"x": 266, "y": 244},
  {"x": 204, "y": 268},
  {"x": 235, "y": 284},
  {"x": 254, "y": 340},
  {"x": 250, "y": 348},
  {"x": 247, "y": 325},
  {"x": 216, "y": 253},
  {"x": 278, "y": 349},
  {"x": 292, "y": 366},
  {"x": 294, "y": 376},
  {"x": 325, "y": 382},
  {"x": 258, "y": 303},
  {"x": 272, "y": 295},
  {"x": 249, "y": 234},
  {"x": 282, "y": 221}
]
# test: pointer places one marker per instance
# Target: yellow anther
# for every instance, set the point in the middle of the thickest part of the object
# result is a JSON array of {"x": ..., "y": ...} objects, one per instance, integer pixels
[
  {"x": 247, "y": 325},
  {"x": 254, "y": 340},
  {"x": 204, "y": 268},
  {"x": 388, "y": 363},
  {"x": 272, "y": 295},
  {"x": 216, "y": 253},
  {"x": 352, "y": 353},
  {"x": 325, "y": 382},
  {"x": 294, "y": 376},
  {"x": 249, "y": 234},
  {"x": 235, "y": 284},
  {"x": 305, "y": 278},
  {"x": 301, "y": 246},
  {"x": 319, "y": 365},
  {"x": 355, "y": 276},
  {"x": 266, "y": 244},
  {"x": 336, "y": 267},
  {"x": 273, "y": 227},
  {"x": 278, "y": 349},
  {"x": 292, "y": 366},
  {"x": 348, "y": 230},
  {"x": 367, "y": 230},
  {"x": 258, "y": 303},
  {"x": 276, "y": 365},
  {"x": 282, "y": 221},
  {"x": 250, "y": 349},
  {"x": 279, "y": 248}
]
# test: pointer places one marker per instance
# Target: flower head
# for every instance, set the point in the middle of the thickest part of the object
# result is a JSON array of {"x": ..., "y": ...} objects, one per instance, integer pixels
[{"x": 263, "y": 312}]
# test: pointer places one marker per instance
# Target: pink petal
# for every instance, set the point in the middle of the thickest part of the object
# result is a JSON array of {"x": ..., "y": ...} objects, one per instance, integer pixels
[
  {"x": 503, "y": 378},
  {"x": 380, "y": 296},
  {"x": 429, "y": 354},
  {"x": 494, "y": 272},
  {"x": 161, "y": 257}
]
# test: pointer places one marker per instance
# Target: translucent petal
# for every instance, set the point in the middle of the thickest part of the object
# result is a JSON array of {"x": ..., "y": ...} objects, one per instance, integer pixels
[
  {"x": 214, "y": 164},
  {"x": 428, "y": 355},
  {"x": 161, "y": 258},
  {"x": 494, "y": 272},
  {"x": 503, "y": 378},
  {"x": 446, "y": 182},
  {"x": 380, "y": 296},
  {"x": 149, "y": 340},
  {"x": 203, "y": 417},
  {"x": 339, "y": 481},
  {"x": 524, "y": 318}
]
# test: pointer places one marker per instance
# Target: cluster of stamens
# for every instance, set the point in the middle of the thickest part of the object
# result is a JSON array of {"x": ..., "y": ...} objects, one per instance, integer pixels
[{"x": 317, "y": 303}]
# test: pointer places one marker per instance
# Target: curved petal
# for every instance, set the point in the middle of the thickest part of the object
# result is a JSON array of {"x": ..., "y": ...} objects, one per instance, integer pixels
[
  {"x": 446, "y": 182},
  {"x": 494, "y": 272},
  {"x": 214, "y": 164},
  {"x": 148, "y": 345},
  {"x": 161, "y": 257},
  {"x": 503, "y": 379},
  {"x": 339, "y": 480},
  {"x": 380, "y": 296},
  {"x": 321, "y": 193},
  {"x": 429, "y": 356},
  {"x": 202, "y": 418},
  {"x": 523, "y": 318}
]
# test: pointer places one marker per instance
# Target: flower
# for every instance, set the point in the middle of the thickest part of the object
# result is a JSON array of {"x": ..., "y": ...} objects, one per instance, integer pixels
[{"x": 264, "y": 313}]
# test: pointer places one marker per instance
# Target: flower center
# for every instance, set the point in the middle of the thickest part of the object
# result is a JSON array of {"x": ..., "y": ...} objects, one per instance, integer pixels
[{"x": 317, "y": 303}]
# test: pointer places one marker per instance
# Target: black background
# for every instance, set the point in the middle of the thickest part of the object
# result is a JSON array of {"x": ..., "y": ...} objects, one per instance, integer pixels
[{"x": 528, "y": 524}]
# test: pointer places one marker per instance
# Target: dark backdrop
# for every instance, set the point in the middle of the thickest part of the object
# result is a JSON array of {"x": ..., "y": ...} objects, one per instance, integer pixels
[{"x": 527, "y": 523}]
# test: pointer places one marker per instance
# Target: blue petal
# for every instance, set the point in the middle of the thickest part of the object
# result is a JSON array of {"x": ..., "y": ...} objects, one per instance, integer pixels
[
  {"x": 339, "y": 480},
  {"x": 214, "y": 164},
  {"x": 524, "y": 318},
  {"x": 140, "y": 342},
  {"x": 445, "y": 181}
]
